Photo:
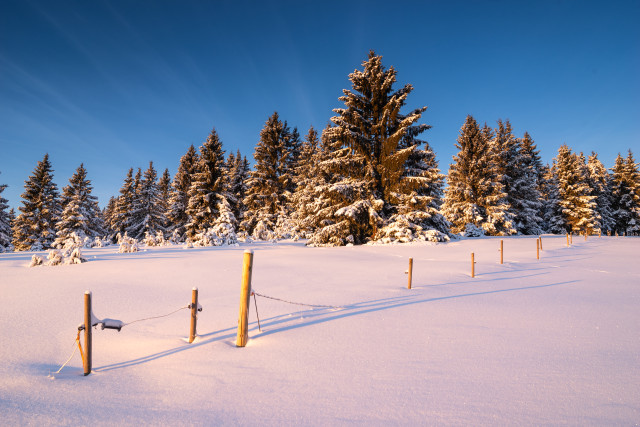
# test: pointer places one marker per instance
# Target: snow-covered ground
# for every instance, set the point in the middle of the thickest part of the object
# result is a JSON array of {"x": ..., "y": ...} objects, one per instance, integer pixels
[{"x": 530, "y": 342}]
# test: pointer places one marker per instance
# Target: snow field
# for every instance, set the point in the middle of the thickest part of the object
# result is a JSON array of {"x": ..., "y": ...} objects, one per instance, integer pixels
[{"x": 549, "y": 341}]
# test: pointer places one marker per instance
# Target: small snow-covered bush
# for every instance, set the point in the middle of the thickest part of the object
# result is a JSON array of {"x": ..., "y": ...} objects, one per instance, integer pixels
[
  {"x": 150, "y": 239},
  {"x": 55, "y": 257},
  {"x": 402, "y": 229},
  {"x": 176, "y": 237},
  {"x": 286, "y": 228},
  {"x": 128, "y": 244},
  {"x": 59, "y": 257},
  {"x": 75, "y": 257},
  {"x": 263, "y": 232},
  {"x": 220, "y": 234},
  {"x": 100, "y": 243},
  {"x": 471, "y": 230},
  {"x": 76, "y": 240},
  {"x": 36, "y": 260},
  {"x": 243, "y": 236}
]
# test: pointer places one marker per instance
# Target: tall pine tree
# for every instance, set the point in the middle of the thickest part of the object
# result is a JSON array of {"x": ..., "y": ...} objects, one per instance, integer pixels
[
  {"x": 148, "y": 213},
  {"x": 339, "y": 208},
  {"x": 108, "y": 216},
  {"x": 575, "y": 210},
  {"x": 418, "y": 202},
  {"x": 208, "y": 195},
  {"x": 121, "y": 217},
  {"x": 600, "y": 182},
  {"x": 238, "y": 170},
  {"x": 179, "y": 198},
  {"x": 475, "y": 192},
  {"x": 625, "y": 188},
  {"x": 136, "y": 216},
  {"x": 81, "y": 214},
  {"x": 269, "y": 183},
  {"x": 5, "y": 222},
  {"x": 368, "y": 147},
  {"x": 34, "y": 228},
  {"x": 523, "y": 192},
  {"x": 305, "y": 177},
  {"x": 164, "y": 196}
]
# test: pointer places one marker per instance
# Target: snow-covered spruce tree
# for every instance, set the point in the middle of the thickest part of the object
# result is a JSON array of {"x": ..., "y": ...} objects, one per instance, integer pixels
[
  {"x": 238, "y": 171},
  {"x": 369, "y": 146},
  {"x": 147, "y": 213},
  {"x": 418, "y": 202},
  {"x": 209, "y": 206},
  {"x": 600, "y": 182},
  {"x": 625, "y": 193},
  {"x": 530, "y": 216},
  {"x": 518, "y": 178},
  {"x": 505, "y": 149},
  {"x": 475, "y": 192},
  {"x": 305, "y": 177},
  {"x": 108, "y": 216},
  {"x": 5, "y": 222},
  {"x": 34, "y": 228},
  {"x": 267, "y": 187},
  {"x": 523, "y": 191},
  {"x": 121, "y": 217},
  {"x": 293, "y": 146},
  {"x": 634, "y": 177},
  {"x": 552, "y": 211},
  {"x": 577, "y": 205},
  {"x": 164, "y": 196},
  {"x": 179, "y": 199},
  {"x": 339, "y": 208},
  {"x": 136, "y": 215},
  {"x": 80, "y": 212}
]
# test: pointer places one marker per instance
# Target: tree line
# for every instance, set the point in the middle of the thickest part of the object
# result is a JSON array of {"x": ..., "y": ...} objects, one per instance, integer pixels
[{"x": 366, "y": 177}]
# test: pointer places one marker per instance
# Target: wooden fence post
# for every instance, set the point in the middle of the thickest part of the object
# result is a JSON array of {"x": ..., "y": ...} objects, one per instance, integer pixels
[
  {"x": 194, "y": 314},
  {"x": 245, "y": 295},
  {"x": 567, "y": 239},
  {"x": 410, "y": 272},
  {"x": 501, "y": 251},
  {"x": 537, "y": 249},
  {"x": 540, "y": 238},
  {"x": 473, "y": 265},
  {"x": 87, "y": 333},
  {"x": 571, "y": 238}
]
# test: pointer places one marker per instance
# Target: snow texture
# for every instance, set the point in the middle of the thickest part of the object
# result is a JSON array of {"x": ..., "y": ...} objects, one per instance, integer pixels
[{"x": 530, "y": 342}]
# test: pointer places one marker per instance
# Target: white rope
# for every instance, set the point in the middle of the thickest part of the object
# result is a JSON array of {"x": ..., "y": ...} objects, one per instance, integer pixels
[{"x": 75, "y": 347}]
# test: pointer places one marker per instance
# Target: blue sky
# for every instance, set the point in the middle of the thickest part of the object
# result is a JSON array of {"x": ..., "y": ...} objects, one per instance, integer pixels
[{"x": 116, "y": 84}]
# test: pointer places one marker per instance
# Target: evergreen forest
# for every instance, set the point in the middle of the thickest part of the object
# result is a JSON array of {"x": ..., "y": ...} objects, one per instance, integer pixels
[{"x": 368, "y": 177}]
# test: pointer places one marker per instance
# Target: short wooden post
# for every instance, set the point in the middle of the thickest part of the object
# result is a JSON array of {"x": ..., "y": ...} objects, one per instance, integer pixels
[
  {"x": 245, "y": 295},
  {"x": 585, "y": 236},
  {"x": 194, "y": 314},
  {"x": 540, "y": 238},
  {"x": 501, "y": 251},
  {"x": 571, "y": 238},
  {"x": 537, "y": 248},
  {"x": 410, "y": 272},
  {"x": 87, "y": 333},
  {"x": 567, "y": 239},
  {"x": 473, "y": 265}
]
